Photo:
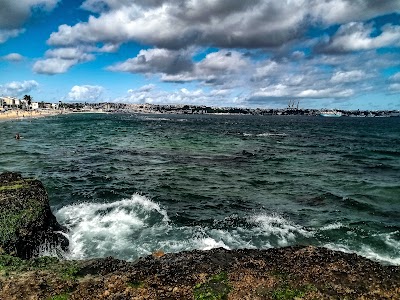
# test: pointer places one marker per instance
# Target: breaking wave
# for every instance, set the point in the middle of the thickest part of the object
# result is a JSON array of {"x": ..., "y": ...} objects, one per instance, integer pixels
[{"x": 135, "y": 227}]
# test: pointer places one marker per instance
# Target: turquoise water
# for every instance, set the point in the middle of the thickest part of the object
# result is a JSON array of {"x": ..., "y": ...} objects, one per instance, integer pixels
[{"x": 128, "y": 185}]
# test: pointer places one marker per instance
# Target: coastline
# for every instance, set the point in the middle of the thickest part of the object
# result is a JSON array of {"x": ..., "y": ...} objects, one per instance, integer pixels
[{"x": 22, "y": 115}]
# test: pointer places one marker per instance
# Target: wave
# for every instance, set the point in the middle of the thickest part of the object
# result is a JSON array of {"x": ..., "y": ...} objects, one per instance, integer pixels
[
  {"x": 162, "y": 119},
  {"x": 135, "y": 227},
  {"x": 266, "y": 134}
]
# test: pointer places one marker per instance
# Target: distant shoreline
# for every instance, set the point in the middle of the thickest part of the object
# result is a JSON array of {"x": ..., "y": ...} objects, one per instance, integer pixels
[{"x": 23, "y": 115}]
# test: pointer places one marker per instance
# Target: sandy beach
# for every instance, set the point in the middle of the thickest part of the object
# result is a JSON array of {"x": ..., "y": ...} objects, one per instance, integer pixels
[{"x": 20, "y": 114}]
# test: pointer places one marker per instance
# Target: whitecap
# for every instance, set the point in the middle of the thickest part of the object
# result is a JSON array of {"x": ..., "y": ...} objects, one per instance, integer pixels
[{"x": 332, "y": 226}]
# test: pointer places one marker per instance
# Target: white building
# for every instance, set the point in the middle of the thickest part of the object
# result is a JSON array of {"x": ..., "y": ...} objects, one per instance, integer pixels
[{"x": 34, "y": 105}]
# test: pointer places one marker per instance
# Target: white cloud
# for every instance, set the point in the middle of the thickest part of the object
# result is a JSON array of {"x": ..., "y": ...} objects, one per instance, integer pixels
[
  {"x": 60, "y": 60},
  {"x": 343, "y": 11},
  {"x": 155, "y": 61},
  {"x": 222, "y": 61},
  {"x": 151, "y": 94},
  {"x": 13, "y": 57},
  {"x": 17, "y": 88},
  {"x": 394, "y": 87},
  {"x": 326, "y": 93},
  {"x": 177, "y": 66},
  {"x": 6, "y": 34},
  {"x": 232, "y": 24},
  {"x": 356, "y": 36},
  {"x": 51, "y": 66},
  {"x": 349, "y": 76},
  {"x": 277, "y": 90},
  {"x": 88, "y": 93},
  {"x": 395, "y": 77},
  {"x": 176, "y": 24}
]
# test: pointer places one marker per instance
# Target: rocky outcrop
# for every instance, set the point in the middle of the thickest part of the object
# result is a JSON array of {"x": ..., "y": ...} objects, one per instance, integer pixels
[
  {"x": 26, "y": 220},
  {"x": 284, "y": 273}
]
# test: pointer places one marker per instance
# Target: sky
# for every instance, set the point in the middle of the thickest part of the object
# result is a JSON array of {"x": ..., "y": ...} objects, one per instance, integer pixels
[{"x": 342, "y": 54}]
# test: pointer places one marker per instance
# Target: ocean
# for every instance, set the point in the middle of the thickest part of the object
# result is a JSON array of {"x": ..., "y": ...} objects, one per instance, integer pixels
[{"x": 128, "y": 185}]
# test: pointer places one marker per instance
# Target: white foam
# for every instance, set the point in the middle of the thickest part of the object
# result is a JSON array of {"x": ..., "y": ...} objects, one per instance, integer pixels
[
  {"x": 390, "y": 241},
  {"x": 209, "y": 243},
  {"x": 271, "y": 134},
  {"x": 332, "y": 226},
  {"x": 107, "y": 228},
  {"x": 265, "y": 134},
  {"x": 365, "y": 251},
  {"x": 135, "y": 227},
  {"x": 285, "y": 230}
]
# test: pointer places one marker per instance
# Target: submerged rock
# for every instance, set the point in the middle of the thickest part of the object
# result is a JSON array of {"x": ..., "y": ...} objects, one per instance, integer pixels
[{"x": 26, "y": 220}]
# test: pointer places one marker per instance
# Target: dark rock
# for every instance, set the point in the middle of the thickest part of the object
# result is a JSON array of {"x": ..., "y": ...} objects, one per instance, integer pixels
[{"x": 26, "y": 220}]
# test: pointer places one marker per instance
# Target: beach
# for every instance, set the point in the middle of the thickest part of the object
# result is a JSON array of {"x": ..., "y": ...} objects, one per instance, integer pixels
[{"x": 21, "y": 114}]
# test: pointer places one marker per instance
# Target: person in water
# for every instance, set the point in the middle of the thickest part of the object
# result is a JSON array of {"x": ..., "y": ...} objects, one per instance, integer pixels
[{"x": 17, "y": 136}]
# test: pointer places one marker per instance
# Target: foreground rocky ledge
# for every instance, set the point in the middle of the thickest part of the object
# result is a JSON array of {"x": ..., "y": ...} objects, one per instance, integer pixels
[{"x": 285, "y": 273}]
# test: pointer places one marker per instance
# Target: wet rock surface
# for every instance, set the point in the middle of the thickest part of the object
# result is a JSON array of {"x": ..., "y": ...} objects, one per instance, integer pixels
[
  {"x": 284, "y": 273},
  {"x": 26, "y": 220}
]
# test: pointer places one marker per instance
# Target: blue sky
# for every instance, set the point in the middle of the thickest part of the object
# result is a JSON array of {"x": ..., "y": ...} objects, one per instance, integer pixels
[{"x": 341, "y": 54}]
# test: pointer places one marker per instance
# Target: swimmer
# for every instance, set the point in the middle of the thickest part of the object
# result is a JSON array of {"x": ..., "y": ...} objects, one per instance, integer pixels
[{"x": 17, "y": 136}]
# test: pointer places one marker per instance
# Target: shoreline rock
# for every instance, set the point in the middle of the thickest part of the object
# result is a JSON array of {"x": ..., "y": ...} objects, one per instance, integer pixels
[
  {"x": 26, "y": 220},
  {"x": 301, "y": 272}
]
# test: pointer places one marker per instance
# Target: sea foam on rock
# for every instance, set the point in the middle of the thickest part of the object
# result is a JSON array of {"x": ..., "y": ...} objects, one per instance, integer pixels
[{"x": 26, "y": 220}]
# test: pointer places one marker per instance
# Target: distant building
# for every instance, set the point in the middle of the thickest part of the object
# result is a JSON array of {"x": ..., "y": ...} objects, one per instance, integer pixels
[
  {"x": 34, "y": 105},
  {"x": 10, "y": 102}
]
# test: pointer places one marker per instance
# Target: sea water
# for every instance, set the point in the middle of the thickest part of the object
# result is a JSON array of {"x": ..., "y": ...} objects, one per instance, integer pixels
[{"x": 128, "y": 185}]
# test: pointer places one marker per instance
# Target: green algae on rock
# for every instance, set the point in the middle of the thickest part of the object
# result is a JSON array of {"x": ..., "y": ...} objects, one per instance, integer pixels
[
  {"x": 26, "y": 220},
  {"x": 277, "y": 274}
]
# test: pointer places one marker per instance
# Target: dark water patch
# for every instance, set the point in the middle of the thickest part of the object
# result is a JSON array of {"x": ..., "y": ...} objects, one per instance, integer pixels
[
  {"x": 387, "y": 152},
  {"x": 362, "y": 203}
]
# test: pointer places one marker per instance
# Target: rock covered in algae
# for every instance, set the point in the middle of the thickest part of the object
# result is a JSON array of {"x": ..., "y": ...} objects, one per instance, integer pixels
[
  {"x": 26, "y": 220},
  {"x": 299, "y": 272}
]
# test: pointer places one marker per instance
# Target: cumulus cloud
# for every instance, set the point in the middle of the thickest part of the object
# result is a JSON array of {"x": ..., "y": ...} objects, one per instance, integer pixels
[
  {"x": 87, "y": 93},
  {"x": 394, "y": 85},
  {"x": 177, "y": 24},
  {"x": 60, "y": 60},
  {"x": 356, "y": 36},
  {"x": 151, "y": 94},
  {"x": 13, "y": 14},
  {"x": 13, "y": 57},
  {"x": 6, "y": 34},
  {"x": 155, "y": 61},
  {"x": 349, "y": 76},
  {"x": 229, "y": 24},
  {"x": 17, "y": 88},
  {"x": 395, "y": 77},
  {"x": 344, "y": 11},
  {"x": 326, "y": 93},
  {"x": 177, "y": 66}
]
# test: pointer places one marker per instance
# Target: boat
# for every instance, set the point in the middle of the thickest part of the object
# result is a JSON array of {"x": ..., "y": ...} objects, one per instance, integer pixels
[{"x": 330, "y": 113}]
